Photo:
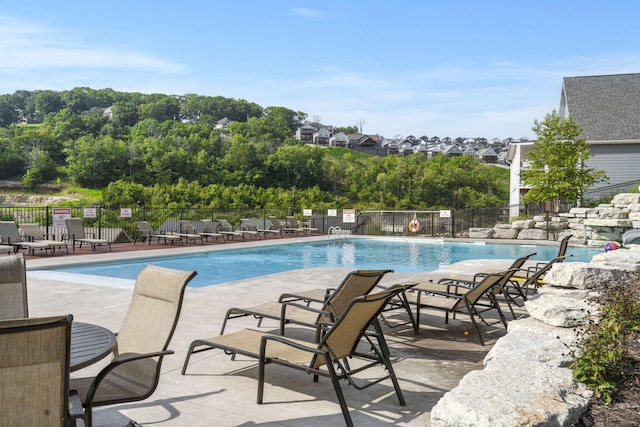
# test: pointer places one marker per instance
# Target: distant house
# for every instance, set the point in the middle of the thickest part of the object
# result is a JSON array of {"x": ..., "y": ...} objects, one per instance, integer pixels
[
  {"x": 322, "y": 137},
  {"x": 488, "y": 155},
  {"x": 305, "y": 133},
  {"x": 222, "y": 123},
  {"x": 340, "y": 139},
  {"x": 607, "y": 108},
  {"x": 452, "y": 151}
]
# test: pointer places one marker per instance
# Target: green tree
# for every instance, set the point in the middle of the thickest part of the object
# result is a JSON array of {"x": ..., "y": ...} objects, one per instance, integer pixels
[{"x": 557, "y": 167}]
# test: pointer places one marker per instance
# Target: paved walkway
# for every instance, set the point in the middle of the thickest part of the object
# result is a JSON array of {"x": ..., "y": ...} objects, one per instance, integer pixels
[{"x": 220, "y": 392}]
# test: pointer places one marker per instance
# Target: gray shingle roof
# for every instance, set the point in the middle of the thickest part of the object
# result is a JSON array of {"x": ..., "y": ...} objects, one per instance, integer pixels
[{"x": 607, "y": 108}]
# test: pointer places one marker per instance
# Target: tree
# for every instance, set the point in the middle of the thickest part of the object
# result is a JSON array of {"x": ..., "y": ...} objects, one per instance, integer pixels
[{"x": 557, "y": 167}]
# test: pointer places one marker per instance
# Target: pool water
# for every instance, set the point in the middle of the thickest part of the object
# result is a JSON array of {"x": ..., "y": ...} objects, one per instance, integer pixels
[{"x": 402, "y": 256}]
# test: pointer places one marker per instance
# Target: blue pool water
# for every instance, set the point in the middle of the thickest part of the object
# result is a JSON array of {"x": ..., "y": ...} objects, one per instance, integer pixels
[{"x": 402, "y": 256}]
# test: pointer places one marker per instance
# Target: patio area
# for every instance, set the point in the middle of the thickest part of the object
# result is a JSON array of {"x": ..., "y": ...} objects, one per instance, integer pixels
[{"x": 219, "y": 391}]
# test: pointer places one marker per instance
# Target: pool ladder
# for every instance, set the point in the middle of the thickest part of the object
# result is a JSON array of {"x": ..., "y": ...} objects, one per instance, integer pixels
[{"x": 337, "y": 232}]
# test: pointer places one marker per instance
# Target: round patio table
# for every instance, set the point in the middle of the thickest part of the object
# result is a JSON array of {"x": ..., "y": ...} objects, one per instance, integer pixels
[{"x": 89, "y": 344}]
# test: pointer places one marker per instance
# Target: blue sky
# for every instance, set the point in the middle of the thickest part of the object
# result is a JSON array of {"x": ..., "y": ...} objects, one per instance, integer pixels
[{"x": 416, "y": 67}]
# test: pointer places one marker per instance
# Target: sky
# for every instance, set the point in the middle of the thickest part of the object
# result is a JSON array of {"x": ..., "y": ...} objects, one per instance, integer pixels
[{"x": 404, "y": 67}]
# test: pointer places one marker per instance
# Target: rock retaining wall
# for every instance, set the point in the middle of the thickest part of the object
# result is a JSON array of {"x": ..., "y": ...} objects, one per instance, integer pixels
[
  {"x": 526, "y": 380},
  {"x": 593, "y": 227}
]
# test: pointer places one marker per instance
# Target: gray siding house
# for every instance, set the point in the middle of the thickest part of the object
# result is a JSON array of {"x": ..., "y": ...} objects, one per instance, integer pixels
[{"x": 607, "y": 108}]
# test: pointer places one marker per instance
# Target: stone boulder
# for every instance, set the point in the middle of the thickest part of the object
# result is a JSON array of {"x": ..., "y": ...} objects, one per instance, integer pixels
[
  {"x": 504, "y": 233},
  {"x": 625, "y": 199},
  {"x": 563, "y": 308},
  {"x": 525, "y": 382},
  {"x": 523, "y": 224},
  {"x": 627, "y": 259},
  {"x": 582, "y": 275},
  {"x": 532, "y": 234},
  {"x": 480, "y": 233}
]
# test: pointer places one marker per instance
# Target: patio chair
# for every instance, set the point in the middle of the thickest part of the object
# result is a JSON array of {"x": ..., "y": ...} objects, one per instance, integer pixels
[
  {"x": 562, "y": 251},
  {"x": 75, "y": 233},
  {"x": 188, "y": 227},
  {"x": 34, "y": 372},
  {"x": 10, "y": 235},
  {"x": 355, "y": 284},
  {"x": 188, "y": 232},
  {"x": 295, "y": 226},
  {"x": 13, "y": 287},
  {"x": 328, "y": 357},
  {"x": 472, "y": 301},
  {"x": 35, "y": 234},
  {"x": 527, "y": 280},
  {"x": 276, "y": 225},
  {"x": 247, "y": 224},
  {"x": 224, "y": 227},
  {"x": 146, "y": 232},
  {"x": 134, "y": 372}
]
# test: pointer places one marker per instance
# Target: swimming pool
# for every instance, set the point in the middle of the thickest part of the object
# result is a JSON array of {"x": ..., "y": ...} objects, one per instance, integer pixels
[{"x": 400, "y": 255}]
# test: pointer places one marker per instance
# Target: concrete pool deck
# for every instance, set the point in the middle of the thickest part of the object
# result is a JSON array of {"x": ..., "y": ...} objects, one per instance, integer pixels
[{"x": 217, "y": 391}]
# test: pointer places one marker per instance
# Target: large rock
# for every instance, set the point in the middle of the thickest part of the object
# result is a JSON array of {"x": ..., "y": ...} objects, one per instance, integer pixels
[
  {"x": 562, "y": 308},
  {"x": 627, "y": 259},
  {"x": 523, "y": 224},
  {"x": 532, "y": 234},
  {"x": 599, "y": 222},
  {"x": 582, "y": 275},
  {"x": 525, "y": 382},
  {"x": 480, "y": 233},
  {"x": 625, "y": 199},
  {"x": 505, "y": 233}
]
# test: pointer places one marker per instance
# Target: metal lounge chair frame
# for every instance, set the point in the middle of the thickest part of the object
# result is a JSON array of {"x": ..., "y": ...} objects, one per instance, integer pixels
[
  {"x": 327, "y": 358},
  {"x": 10, "y": 235},
  {"x": 473, "y": 301},
  {"x": 187, "y": 226},
  {"x": 146, "y": 232},
  {"x": 290, "y": 311},
  {"x": 35, "y": 234},
  {"x": 134, "y": 372},
  {"x": 76, "y": 233}
]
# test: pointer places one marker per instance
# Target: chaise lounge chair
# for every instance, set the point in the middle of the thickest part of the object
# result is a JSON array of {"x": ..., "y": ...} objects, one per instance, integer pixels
[
  {"x": 10, "y": 235},
  {"x": 75, "y": 233},
  {"x": 460, "y": 299},
  {"x": 188, "y": 227},
  {"x": 35, "y": 234},
  {"x": 147, "y": 233},
  {"x": 13, "y": 287},
  {"x": 249, "y": 225},
  {"x": 224, "y": 227},
  {"x": 134, "y": 372},
  {"x": 294, "y": 226},
  {"x": 328, "y": 357},
  {"x": 290, "y": 311}
]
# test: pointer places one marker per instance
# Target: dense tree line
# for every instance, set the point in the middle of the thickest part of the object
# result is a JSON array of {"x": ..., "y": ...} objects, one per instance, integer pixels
[{"x": 159, "y": 150}]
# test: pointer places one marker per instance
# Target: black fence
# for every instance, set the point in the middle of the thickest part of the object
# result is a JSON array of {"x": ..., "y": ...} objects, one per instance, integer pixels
[{"x": 119, "y": 225}]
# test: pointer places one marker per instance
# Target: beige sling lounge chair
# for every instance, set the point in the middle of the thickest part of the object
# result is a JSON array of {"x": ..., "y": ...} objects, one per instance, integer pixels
[
  {"x": 247, "y": 224},
  {"x": 294, "y": 225},
  {"x": 34, "y": 372},
  {"x": 142, "y": 342},
  {"x": 189, "y": 227},
  {"x": 224, "y": 227},
  {"x": 355, "y": 284},
  {"x": 10, "y": 235},
  {"x": 75, "y": 233},
  {"x": 35, "y": 234},
  {"x": 328, "y": 357},
  {"x": 146, "y": 232},
  {"x": 13, "y": 287},
  {"x": 472, "y": 301}
]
